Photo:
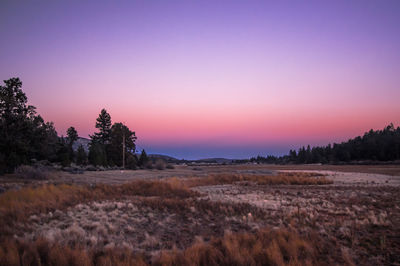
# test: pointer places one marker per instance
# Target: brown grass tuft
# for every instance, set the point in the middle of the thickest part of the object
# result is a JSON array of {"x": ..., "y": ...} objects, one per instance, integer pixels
[
  {"x": 18, "y": 205},
  {"x": 265, "y": 247},
  {"x": 42, "y": 252},
  {"x": 279, "y": 179}
]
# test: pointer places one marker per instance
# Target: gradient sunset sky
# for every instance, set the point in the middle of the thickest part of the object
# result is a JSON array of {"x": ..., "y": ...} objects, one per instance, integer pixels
[{"x": 199, "y": 79}]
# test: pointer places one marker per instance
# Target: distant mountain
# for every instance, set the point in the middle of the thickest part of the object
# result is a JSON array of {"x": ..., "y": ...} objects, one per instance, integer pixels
[
  {"x": 166, "y": 158},
  {"x": 81, "y": 141},
  {"x": 85, "y": 142},
  {"x": 214, "y": 160}
]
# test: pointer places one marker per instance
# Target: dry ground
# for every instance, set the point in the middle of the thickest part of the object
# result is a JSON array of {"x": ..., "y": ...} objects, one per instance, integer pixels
[{"x": 206, "y": 215}]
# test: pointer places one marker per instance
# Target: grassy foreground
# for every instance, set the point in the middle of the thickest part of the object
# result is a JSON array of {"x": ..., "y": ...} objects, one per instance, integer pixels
[{"x": 261, "y": 247}]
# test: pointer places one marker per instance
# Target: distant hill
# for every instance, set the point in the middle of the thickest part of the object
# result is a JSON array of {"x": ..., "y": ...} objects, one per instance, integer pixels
[
  {"x": 214, "y": 160},
  {"x": 81, "y": 141},
  {"x": 85, "y": 142},
  {"x": 166, "y": 158}
]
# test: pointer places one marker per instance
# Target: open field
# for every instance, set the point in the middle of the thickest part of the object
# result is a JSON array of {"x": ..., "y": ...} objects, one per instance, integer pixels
[
  {"x": 205, "y": 215},
  {"x": 374, "y": 172}
]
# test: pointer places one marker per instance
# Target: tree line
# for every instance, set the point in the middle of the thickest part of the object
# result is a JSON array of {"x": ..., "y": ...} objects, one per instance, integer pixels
[
  {"x": 379, "y": 145},
  {"x": 25, "y": 137}
]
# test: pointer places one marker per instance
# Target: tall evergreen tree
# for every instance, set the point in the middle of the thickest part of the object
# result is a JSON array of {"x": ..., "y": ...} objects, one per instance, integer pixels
[
  {"x": 103, "y": 124},
  {"x": 97, "y": 154},
  {"x": 72, "y": 136},
  {"x": 81, "y": 157},
  {"x": 143, "y": 159},
  {"x": 23, "y": 134},
  {"x": 119, "y": 132}
]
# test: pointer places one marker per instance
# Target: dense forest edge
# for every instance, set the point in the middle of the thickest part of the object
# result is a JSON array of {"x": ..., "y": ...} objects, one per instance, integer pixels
[
  {"x": 375, "y": 146},
  {"x": 25, "y": 138}
]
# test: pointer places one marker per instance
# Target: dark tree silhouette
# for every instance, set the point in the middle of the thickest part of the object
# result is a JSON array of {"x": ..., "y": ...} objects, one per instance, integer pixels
[
  {"x": 103, "y": 124},
  {"x": 81, "y": 157},
  {"x": 119, "y": 132},
  {"x": 97, "y": 154},
  {"x": 143, "y": 159},
  {"x": 379, "y": 145},
  {"x": 72, "y": 136},
  {"x": 23, "y": 134}
]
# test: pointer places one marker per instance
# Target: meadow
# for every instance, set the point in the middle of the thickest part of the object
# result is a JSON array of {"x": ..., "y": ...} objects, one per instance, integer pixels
[{"x": 204, "y": 215}]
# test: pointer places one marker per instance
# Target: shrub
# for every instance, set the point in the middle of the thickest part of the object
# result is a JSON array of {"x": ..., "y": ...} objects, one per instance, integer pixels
[
  {"x": 170, "y": 166},
  {"x": 160, "y": 165},
  {"x": 149, "y": 165},
  {"x": 29, "y": 172},
  {"x": 279, "y": 179}
]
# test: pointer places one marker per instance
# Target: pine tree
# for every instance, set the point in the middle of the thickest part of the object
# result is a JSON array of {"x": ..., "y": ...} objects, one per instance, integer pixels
[
  {"x": 144, "y": 159},
  {"x": 23, "y": 134},
  {"x": 103, "y": 124},
  {"x": 97, "y": 154},
  {"x": 72, "y": 136},
  {"x": 120, "y": 133},
  {"x": 81, "y": 157}
]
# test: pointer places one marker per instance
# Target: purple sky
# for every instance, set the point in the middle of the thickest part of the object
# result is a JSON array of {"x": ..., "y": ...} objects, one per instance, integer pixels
[{"x": 209, "y": 78}]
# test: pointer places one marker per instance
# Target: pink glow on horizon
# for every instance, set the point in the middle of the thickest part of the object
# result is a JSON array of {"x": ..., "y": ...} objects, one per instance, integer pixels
[{"x": 209, "y": 72}]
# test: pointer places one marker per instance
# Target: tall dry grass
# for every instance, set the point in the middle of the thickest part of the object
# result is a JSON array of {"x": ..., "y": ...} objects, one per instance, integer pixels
[
  {"x": 42, "y": 252},
  {"x": 265, "y": 247},
  {"x": 17, "y": 205},
  {"x": 279, "y": 179}
]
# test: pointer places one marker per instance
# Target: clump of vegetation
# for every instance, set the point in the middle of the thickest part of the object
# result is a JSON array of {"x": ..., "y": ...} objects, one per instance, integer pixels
[
  {"x": 17, "y": 205},
  {"x": 170, "y": 166},
  {"x": 42, "y": 252},
  {"x": 160, "y": 165},
  {"x": 279, "y": 179},
  {"x": 32, "y": 173},
  {"x": 265, "y": 247}
]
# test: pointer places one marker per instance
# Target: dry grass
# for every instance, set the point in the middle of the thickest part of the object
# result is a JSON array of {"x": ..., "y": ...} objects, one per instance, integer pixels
[
  {"x": 279, "y": 179},
  {"x": 42, "y": 252},
  {"x": 393, "y": 169},
  {"x": 266, "y": 247},
  {"x": 18, "y": 205}
]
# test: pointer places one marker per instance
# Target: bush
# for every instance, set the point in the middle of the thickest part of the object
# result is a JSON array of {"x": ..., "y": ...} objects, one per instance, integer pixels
[
  {"x": 170, "y": 166},
  {"x": 29, "y": 172},
  {"x": 149, "y": 165},
  {"x": 91, "y": 168},
  {"x": 160, "y": 165}
]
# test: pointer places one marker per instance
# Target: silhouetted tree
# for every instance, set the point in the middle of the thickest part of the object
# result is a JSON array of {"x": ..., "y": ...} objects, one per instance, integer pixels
[
  {"x": 97, "y": 154},
  {"x": 23, "y": 134},
  {"x": 103, "y": 124},
  {"x": 101, "y": 140},
  {"x": 81, "y": 157},
  {"x": 114, "y": 150},
  {"x": 63, "y": 152},
  {"x": 143, "y": 159},
  {"x": 72, "y": 136}
]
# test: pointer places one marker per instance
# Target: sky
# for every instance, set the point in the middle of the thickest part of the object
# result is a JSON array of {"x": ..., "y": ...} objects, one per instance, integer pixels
[{"x": 200, "y": 79}]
